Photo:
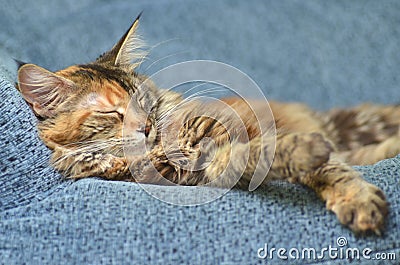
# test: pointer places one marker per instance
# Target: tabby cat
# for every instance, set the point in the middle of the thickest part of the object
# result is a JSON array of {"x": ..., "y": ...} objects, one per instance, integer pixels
[{"x": 81, "y": 112}]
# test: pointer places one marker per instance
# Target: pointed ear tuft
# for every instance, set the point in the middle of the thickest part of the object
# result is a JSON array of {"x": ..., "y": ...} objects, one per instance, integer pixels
[
  {"x": 19, "y": 63},
  {"x": 129, "y": 51},
  {"x": 42, "y": 89}
]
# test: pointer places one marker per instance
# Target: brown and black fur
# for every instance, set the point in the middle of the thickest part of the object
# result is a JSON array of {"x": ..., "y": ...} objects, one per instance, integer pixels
[{"x": 82, "y": 110}]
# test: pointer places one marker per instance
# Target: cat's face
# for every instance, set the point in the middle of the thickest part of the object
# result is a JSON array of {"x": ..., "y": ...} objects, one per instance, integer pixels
[{"x": 88, "y": 103}]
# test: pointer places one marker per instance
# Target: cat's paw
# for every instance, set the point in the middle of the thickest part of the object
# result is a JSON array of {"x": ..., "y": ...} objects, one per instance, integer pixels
[
  {"x": 118, "y": 166},
  {"x": 362, "y": 207},
  {"x": 311, "y": 150},
  {"x": 106, "y": 166}
]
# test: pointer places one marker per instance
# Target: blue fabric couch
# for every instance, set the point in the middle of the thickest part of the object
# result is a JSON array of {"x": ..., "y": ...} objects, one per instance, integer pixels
[{"x": 325, "y": 54}]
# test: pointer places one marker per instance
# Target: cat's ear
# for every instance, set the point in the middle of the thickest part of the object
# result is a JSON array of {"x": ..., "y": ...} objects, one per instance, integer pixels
[
  {"x": 42, "y": 89},
  {"x": 129, "y": 50}
]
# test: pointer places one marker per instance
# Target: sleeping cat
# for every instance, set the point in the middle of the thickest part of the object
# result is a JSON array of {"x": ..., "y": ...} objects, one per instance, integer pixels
[{"x": 88, "y": 113}]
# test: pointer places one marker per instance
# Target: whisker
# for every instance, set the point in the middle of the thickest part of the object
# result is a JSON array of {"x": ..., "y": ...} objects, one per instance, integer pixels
[
  {"x": 163, "y": 58},
  {"x": 93, "y": 146},
  {"x": 100, "y": 141},
  {"x": 162, "y": 43},
  {"x": 196, "y": 86},
  {"x": 155, "y": 46},
  {"x": 167, "y": 112},
  {"x": 204, "y": 92}
]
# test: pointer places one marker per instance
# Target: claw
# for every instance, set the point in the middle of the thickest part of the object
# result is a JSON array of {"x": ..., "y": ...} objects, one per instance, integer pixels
[{"x": 378, "y": 232}]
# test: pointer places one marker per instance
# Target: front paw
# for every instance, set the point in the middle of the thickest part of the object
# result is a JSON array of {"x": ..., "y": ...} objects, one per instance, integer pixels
[
  {"x": 361, "y": 206},
  {"x": 117, "y": 166},
  {"x": 99, "y": 165}
]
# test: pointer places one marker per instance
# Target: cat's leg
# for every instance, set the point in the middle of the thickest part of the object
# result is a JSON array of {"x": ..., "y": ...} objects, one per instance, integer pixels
[
  {"x": 82, "y": 165},
  {"x": 295, "y": 153},
  {"x": 372, "y": 153},
  {"x": 305, "y": 158},
  {"x": 357, "y": 203},
  {"x": 374, "y": 126}
]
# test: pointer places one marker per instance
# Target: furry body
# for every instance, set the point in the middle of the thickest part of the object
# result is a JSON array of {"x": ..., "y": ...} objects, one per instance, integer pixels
[{"x": 82, "y": 110}]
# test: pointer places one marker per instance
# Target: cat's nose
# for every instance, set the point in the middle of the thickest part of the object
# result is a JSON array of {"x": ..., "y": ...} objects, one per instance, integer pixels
[{"x": 144, "y": 129}]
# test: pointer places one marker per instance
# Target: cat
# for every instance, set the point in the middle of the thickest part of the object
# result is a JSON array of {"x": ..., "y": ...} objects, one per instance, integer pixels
[{"x": 82, "y": 111}]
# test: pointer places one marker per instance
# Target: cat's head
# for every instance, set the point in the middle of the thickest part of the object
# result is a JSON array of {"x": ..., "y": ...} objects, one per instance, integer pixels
[{"x": 86, "y": 103}]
